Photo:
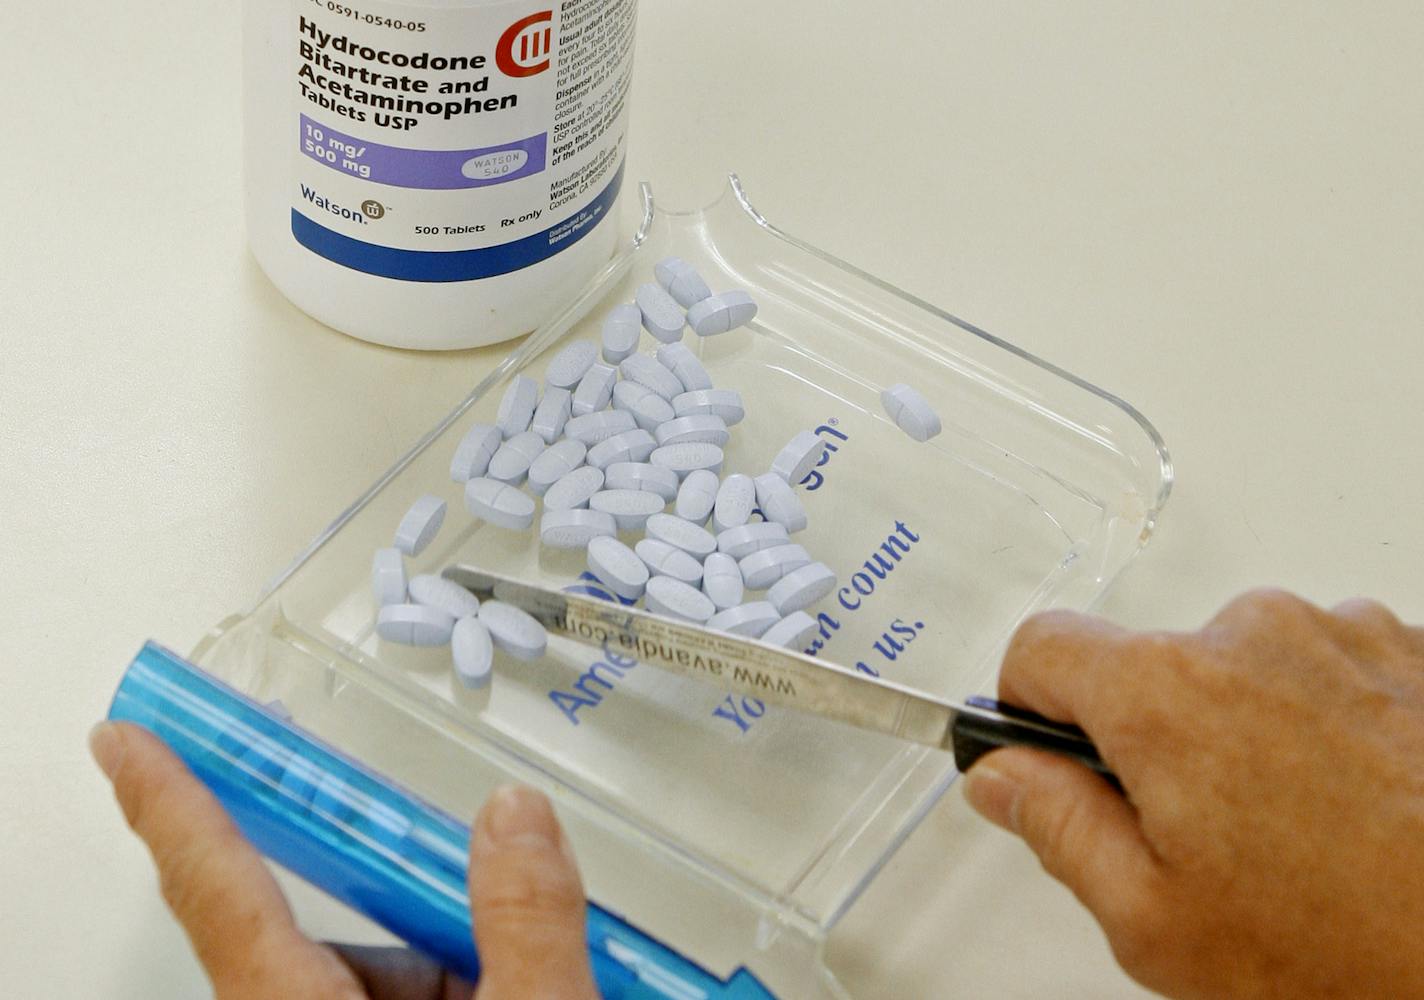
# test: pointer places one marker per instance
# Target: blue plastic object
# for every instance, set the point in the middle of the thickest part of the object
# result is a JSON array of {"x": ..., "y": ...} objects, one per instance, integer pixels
[{"x": 361, "y": 838}]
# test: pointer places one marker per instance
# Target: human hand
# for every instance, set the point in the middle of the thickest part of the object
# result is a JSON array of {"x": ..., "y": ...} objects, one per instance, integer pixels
[
  {"x": 1271, "y": 840},
  {"x": 525, "y": 895}
]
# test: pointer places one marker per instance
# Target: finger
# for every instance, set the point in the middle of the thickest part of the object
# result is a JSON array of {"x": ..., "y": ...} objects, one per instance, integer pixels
[
  {"x": 400, "y": 974},
  {"x": 1085, "y": 833},
  {"x": 527, "y": 902},
  {"x": 1055, "y": 661}
]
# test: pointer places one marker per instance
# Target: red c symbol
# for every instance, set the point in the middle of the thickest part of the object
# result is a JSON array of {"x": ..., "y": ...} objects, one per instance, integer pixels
[{"x": 523, "y": 49}]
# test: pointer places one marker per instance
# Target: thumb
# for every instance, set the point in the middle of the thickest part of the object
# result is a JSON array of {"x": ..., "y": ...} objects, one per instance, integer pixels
[
  {"x": 1084, "y": 832},
  {"x": 527, "y": 902}
]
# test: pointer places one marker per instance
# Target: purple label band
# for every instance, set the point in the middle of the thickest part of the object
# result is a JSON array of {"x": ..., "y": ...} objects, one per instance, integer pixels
[{"x": 427, "y": 169}]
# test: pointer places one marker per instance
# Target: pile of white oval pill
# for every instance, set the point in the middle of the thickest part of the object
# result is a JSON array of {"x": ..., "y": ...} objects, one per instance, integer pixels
[{"x": 613, "y": 438}]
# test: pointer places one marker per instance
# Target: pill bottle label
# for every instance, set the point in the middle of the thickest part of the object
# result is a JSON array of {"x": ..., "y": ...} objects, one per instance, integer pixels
[{"x": 438, "y": 144}]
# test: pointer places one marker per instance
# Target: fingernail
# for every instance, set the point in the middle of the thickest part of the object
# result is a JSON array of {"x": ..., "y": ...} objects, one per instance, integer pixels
[
  {"x": 106, "y": 747},
  {"x": 517, "y": 815},
  {"x": 994, "y": 795}
]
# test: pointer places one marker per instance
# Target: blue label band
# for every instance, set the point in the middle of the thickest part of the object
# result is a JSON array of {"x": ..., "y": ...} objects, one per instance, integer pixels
[{"x": 453, "y": 265}]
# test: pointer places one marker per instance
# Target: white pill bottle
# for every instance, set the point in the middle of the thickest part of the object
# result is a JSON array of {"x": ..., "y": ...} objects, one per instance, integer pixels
[{"x": 434, "y": 174}]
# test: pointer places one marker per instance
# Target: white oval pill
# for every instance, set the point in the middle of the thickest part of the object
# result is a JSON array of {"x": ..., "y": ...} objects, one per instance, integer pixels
[
  {"x": 388, "y": 577},
  {"x": 681, "y": 280},
  {"x": 630, "y": 508},
  {"x": 696, "y": 496},
  {"x": 675, "y": 599},
  {"x": 557, "y": 461},
  {"x": 720, "y": 313},
  {"x": 802, "y": 587},
  {"x": 630, "y": 446},
  {"x": 514, "y": 631},
  {"x": 591, "y": 428},
  {"x": 778, "y": 501},
  {"x": 472, "y": 650},
  {"x": 911, "y": 412},
  {"x": 743, "y": 541},
  {"x": 574, "y": 489},
  {"x": 574, "y": 528},
  {"x": 682, "y": 430},
  {"x": 594, "y": 390},
  {"x": 472, "y": 455},
  {"x": 663, "y": 559},
  {"x": 682, "y": 362},
  {"x": 642, "y": 476},
  {"x": 688, "y": 457},
  {"x": 801, "y": 454},
  {"x": 741, "y": 308},
  {"x": 735, "y": 499},
  {"x": 552, "y": 413},
  {"x": 722, "y": 580},
  {"x": 724, "y": 403},
  {"x": 511, "y": 463},
  {"x": 621, "y": 330},
  {"x": 792, "y": 632},
  {"x": 746, "y": 619},
  {"x": 499, "y": 503},
  {"x": 648, "y": 373},
  {"x": 516, "y": 408},
  {"x": 662, "y": 316},
  {"x": 762, "y": 568},
  {"x": 571, "y": 364},
  {"x": 420, "y": 525},
  {"x": 414, "y": 625},
  {"x": 447, "y": 595},
  {"x": 691, "y": 538},
  {"x": 648, "y": 408},
  {"x": 617, "y": 567}
]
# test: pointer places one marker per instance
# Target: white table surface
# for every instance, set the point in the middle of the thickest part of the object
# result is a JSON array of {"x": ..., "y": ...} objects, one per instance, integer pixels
[{"x": 1212, "y": 211}]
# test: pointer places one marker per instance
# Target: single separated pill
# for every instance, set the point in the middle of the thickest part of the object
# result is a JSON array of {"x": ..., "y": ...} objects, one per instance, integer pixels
[
  {"x": 621, "y": 330},
  {"x": 642, "y": 476},
  {"x": 630, "y": 508},
  {"x": 801, "y": 588},
  {"x": 746, "y": 619},
  {"x": 801, "y": 454},
  {"x": 662, "y": 316},
  {"x": 681, "y": 280},
  {"x": 472, "y": 650},
  {"x": 552, "y": 413},
  {"x": 557, "y": 461},
  {"x": 571, "y": 364},
  {"x": 650, "y": 374},
  {"x": 516, "y": 408},
  {"x": 472, "y": 455},
  {"x": 630, "y": 446},
  {"x": 764, "y": 567},
  {"x": 591, "y": 428},
  {"x": 514, "y": 631},
  {"x": 682, "y": 430},
  {"x": 663, "y": 559},
  {"x": 573, "y": 489},
  {"x": 648, "y": 408},
  {"x": 679, "y": 359},
  {"x": 675, "y": 599},
  {"x": 511, "y": 463},
  {"x": 779, "y": 502},
  {"x": 499, "y": 503},
  {"x": 688, "y": 457},
  {"x": 594, "y": 390},
  {"x": 792, "y": 632},
  {"x": 911, "y": 412},
  {"x": 692, "y": 539},
  {"x": 696, "y": 496},
  {"x": 437, "y": 592},
  {"x": 724, "y": 403},
  {"x": 420, "y": 525},
  {"x": 388, "y": 577},
  {"x": 721, "y": 313},
  {"x": 722, "y": 581},
  {"x": 742, "y": 542},
  {"x": 617, "y": 567},
  {"x": 574, "y": 528},
  {"x": 414, "y": 625},
  {"x": 735, "y": 499}
]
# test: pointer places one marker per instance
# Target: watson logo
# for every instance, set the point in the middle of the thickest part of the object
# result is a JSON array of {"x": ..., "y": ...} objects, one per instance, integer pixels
[{"x": 523, "y": 49}]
